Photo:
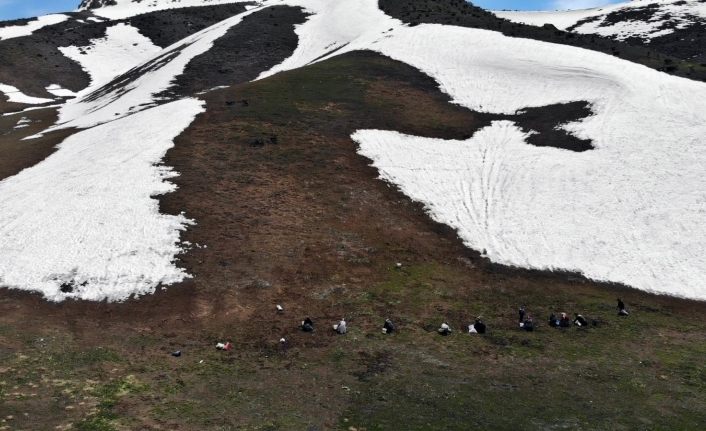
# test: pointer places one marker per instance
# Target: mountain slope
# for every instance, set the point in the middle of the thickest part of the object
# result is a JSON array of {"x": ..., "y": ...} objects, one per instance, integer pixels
[
  {"x": 674, "y": 27},
  {"x": 299, "y": 220},
  {"x": 513, "y": 76},
  {"x": 421, "y": 161}
]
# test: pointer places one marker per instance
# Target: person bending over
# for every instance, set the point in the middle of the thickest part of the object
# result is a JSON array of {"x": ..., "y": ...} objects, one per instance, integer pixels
[{"x": 307, "y": 325}]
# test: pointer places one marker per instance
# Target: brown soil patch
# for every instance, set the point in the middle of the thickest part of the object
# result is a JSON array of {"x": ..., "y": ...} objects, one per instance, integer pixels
[{"x": 17, "y": 154}]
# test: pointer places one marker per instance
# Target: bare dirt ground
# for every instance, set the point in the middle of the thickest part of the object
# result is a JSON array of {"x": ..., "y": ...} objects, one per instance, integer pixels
[
  {"x": 16, "y": 153},
  {"x": 289, "y": 214}
]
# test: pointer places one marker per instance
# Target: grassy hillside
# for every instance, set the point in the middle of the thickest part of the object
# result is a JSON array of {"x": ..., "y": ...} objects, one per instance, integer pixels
[{"x": 289, "y": 214}]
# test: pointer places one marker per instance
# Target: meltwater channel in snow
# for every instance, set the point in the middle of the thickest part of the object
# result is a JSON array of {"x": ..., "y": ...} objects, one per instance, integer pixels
[{"x": 86, "y": 217}]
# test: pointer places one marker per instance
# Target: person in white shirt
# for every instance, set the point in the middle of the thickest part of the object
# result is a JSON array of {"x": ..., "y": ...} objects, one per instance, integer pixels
[{"x": 341, "y": 328}]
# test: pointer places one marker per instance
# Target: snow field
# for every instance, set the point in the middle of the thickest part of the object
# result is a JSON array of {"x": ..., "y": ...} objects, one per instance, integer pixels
[
  {"x": 682, "y": 12},
  {"x": 14, "y": 94},
  {"x": 121, "y": 49},
  {"x": 59, "y": 91},
  {"x": 87, "y": 215},
  {"x": 32, "y": 26},
  {"x": 154, "y": 71},
  {"x": 127, "y": 8}
]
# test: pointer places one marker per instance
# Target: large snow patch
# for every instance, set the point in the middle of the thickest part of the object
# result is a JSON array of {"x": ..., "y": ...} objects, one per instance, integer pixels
[
  {"x": 122, "y": 48},
  {"x": 86, "y": 219},
  {"x": 27, "y": 29},
  {"x": 532, "y": 207},
  {"x": 15, "y": 95},
  {"x": 126, "y": 8}
]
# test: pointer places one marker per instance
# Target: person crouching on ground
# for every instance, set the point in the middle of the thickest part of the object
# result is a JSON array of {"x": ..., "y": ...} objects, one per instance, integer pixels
[
  {"x": 553, "y": 321},
  {"x": 622, "y": 311},
  {"x": 388, "y": 327},
  {"x": 445, "y": 329},
  {"x": 341, "y": 327},
  {"x": 307, "y": 325},
  {"x": 478, "y": 327},
  {"x": 580, "y": 321},
  {"x": 528, "y": 324},
  {"x": 564, "y": 321}
]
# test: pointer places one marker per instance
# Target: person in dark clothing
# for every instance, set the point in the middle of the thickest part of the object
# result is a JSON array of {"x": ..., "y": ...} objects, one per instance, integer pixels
[
  {"x": 553, "y": 321},
  {"x": 479, "y": 326},
  {"x": 388, "y": 327},
  {"x": 522, "y": 312},
  {"x": 622, "y": 311},
  {"x": 580, "y": 321},
  {"x": 307, "y": 325},
  {"x": 564, "y": 321},
  {"x": 528, "y": 324}
]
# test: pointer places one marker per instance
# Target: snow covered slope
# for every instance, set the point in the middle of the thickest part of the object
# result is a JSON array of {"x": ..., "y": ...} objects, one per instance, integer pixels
[
  {"x": 124, "y": 94},
  {"x": 629, "y": 211},
  {"x": 122, "y": 48},
  {"x": 119, "y": 9},
  {"x": 84, "y": 222},
  {"x": 13, "y": 31},
  {"x": 643, "y": 19},
  {"x": 14, "y": 94}
]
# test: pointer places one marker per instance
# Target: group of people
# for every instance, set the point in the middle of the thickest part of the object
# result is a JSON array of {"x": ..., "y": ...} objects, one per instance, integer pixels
[
  {"x": 478, "y": 326},
  {"x": 341, "y": 327},
  {"x": 563, "y": 321}
]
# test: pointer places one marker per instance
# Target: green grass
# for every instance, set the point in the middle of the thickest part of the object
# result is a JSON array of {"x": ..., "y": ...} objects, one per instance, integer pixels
[{"x": 108, "y": 396}]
